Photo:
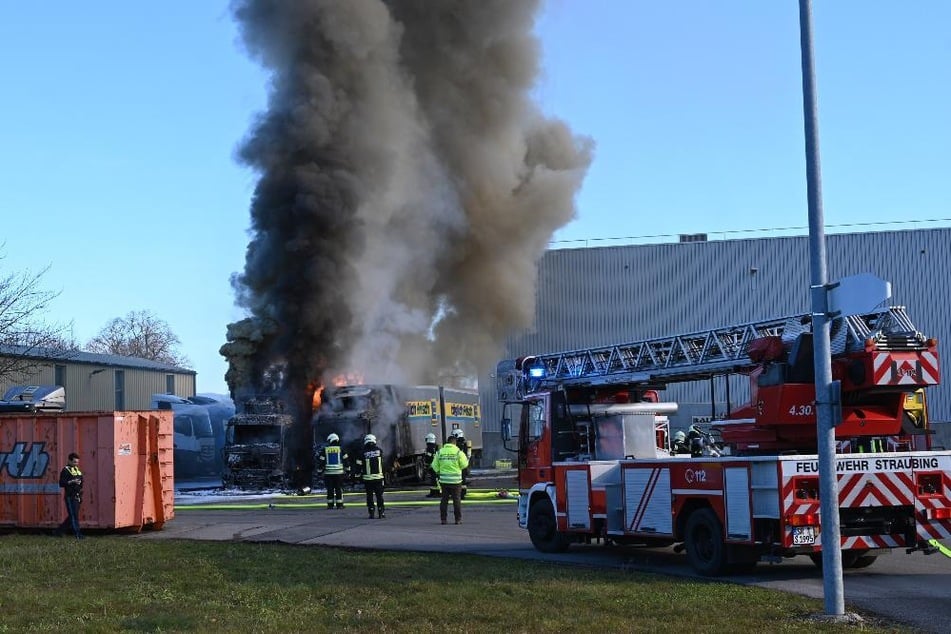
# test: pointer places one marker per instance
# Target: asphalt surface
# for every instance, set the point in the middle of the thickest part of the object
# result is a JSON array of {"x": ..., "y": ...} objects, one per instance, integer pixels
[{"x": 912, "y": 589}]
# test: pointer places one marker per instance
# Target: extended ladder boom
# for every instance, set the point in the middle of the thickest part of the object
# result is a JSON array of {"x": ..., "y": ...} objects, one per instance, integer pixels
[{"x": 697, "y": 355}]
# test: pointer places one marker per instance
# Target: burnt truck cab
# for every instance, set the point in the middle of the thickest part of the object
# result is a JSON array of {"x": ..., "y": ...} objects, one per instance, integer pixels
[{"x": 256, "y": 446}]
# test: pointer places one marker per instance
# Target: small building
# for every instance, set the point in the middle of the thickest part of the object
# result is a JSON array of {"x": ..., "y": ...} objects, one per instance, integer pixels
[{"x": 95, "y": 382}]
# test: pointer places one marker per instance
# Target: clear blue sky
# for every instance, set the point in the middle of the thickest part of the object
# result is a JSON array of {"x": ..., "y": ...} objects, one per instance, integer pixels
[{"x": 120, "y": 121}]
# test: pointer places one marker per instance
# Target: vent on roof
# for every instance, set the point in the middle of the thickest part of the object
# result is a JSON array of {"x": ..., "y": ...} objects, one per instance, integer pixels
[{"x": 693, "y": 237}]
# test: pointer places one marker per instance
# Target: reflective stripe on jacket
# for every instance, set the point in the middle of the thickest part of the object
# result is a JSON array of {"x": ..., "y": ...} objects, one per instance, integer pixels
[
  {"x": 333, "y": 460},
  {"x": 71, "y": 473},
  {"x": 372, "y": 464},
  {"x": 449, "y": 463}
]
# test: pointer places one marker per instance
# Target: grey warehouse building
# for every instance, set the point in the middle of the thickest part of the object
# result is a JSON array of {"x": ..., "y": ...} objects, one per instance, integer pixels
[{"x": 590, "y": 297}]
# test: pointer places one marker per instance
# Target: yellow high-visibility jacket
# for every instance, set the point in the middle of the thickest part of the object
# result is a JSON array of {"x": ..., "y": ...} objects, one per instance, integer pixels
[{"x": 449, "y": 464}]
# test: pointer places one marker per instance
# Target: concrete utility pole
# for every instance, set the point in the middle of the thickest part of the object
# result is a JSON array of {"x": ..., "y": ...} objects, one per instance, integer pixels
[{"x": 821, "y": 327}]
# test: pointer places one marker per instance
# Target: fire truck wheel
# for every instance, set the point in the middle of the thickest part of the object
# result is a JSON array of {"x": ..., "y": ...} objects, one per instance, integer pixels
[
  {"x": 864, "y": 561},
  {"x": 851, "y": 559},
  {"x": 704, "y": 539},
  {"x": 543, "y": 530}
]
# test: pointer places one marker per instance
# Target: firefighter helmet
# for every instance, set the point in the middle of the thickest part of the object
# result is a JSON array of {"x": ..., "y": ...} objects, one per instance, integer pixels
[
  {"x": 680, "y": 437},
  {"x": 368, "y": 439},
  {"x": 333, "y": 438},
  {"x": 431, "y": 438},
  {"x": 458, "y": 433}
]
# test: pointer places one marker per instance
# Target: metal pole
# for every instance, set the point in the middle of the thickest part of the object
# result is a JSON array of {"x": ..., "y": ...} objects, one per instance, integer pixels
[{"x": 821, "y": 328}]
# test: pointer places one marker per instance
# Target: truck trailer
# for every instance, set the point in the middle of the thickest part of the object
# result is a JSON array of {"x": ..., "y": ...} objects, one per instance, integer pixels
[{"x": 400, "y": 417}]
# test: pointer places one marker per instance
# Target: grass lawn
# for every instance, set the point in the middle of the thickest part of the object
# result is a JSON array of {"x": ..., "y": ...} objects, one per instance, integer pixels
[{"x": 122, "y": 584}]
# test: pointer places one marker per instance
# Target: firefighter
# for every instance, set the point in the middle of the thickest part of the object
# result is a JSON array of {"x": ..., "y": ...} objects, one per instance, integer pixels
[
  {"x": 449, "y": 465},
  {"x": 371, "y": 464},
  {"x": 695, "y": 441},
  {"x": 71, "y": 481},
  {"x": 679, "y": 443},
  {"x": 428, "y": 456},
  {"x": 466, "y": 447},
  {"x": 331, "y": 462}
]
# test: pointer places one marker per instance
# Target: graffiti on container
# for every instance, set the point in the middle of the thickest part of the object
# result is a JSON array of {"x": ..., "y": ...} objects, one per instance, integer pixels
[
  {"x": 20, "y": 463},
  {"x": 26, "y": 463}
]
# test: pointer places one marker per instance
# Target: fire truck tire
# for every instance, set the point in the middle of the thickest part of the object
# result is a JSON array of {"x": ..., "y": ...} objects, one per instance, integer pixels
[
  {"x": 543, "y": 529},
  {"x": 851, "y": 559},
  {"x": 864, "y": 561},
  {"x": 706, "y": 551}
]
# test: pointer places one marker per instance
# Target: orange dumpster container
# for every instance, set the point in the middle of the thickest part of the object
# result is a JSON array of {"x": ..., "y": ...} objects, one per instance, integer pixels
[{"x": 126, "y": 459}]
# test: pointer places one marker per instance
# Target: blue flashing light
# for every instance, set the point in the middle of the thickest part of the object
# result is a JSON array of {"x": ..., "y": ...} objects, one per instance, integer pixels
[{"x": 536, "y": 371}]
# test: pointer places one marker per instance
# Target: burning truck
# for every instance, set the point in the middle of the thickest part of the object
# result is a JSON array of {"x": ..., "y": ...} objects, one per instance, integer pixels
[
  {"x": 259, "y": 441},
  {"x": 400, "y": 417},
  {"x": 258, "y": 444}
]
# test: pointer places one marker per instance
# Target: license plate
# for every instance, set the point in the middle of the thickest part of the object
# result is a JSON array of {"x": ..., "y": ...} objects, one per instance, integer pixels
[{"x": 803, "y": 535}]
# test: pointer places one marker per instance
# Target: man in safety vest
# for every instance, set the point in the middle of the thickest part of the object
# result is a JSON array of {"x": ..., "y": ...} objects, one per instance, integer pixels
[
  {"x": 71, "y": 481},
  {"x": 449, "y": 464},
  {"x": 371, "y": 464},
  {"x": 331, "y": 463},
  {"x": 428, "y": 456}
]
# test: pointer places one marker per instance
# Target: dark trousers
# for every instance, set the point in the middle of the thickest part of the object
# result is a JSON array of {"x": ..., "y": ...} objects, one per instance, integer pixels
[
  {"x": 334, "y": 484},
  {"x": 374, "y": 490},
  {"x": 71, "y": 523},
  {"x": 433, "y": 484},
  {"x": 455, "y": 492}
]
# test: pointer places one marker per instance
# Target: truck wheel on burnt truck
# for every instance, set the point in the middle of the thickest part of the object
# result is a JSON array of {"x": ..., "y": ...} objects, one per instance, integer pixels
[
  {"x": 543, "y": 529},
  {"x": 704, "y": 540}
]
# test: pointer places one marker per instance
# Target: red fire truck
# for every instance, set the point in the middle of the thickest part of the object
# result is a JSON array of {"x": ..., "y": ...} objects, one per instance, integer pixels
[{"x": 597, "y": 462}]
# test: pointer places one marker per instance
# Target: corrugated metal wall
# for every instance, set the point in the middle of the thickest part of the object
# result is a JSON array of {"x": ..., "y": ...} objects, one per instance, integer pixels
[{"x": 607, "y": 295}]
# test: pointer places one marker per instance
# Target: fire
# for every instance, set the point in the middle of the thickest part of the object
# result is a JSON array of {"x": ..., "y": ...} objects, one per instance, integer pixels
[
  {"x": 348, "y": 378},
  {"x": 318, "y": 394}
]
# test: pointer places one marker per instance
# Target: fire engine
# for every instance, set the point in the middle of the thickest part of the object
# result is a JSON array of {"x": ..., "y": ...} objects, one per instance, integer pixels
[{"x": 597, "y": 462}]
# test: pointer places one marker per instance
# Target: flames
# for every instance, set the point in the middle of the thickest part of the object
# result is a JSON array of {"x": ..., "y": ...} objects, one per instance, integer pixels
[
  {"x": 317, "y": 398},
  {"x": 345, "y": 378},
  {"x": 348, "y": 378}
]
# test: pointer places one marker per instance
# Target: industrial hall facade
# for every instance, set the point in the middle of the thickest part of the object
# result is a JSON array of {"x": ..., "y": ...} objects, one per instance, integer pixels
[
  {"x": 98, "y": 382},
  {"x": 604, "y": 296}
]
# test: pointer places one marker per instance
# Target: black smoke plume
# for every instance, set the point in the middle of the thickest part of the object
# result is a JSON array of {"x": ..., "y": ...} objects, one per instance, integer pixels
[{"x": 408, "y": 186}]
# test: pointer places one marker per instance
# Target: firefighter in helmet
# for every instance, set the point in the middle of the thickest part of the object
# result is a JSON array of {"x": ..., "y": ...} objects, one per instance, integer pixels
[
  {"x": 428, "y": 455},
  {"x": 331, "y": 462},
  {"x": 678, "y": 443},
  {"x": 371, "y": 466},
  {"x": 466, "y": 447}
]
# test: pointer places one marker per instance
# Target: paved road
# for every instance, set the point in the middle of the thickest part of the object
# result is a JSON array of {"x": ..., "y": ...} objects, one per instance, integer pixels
[{"x": 915, "y": 589}]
